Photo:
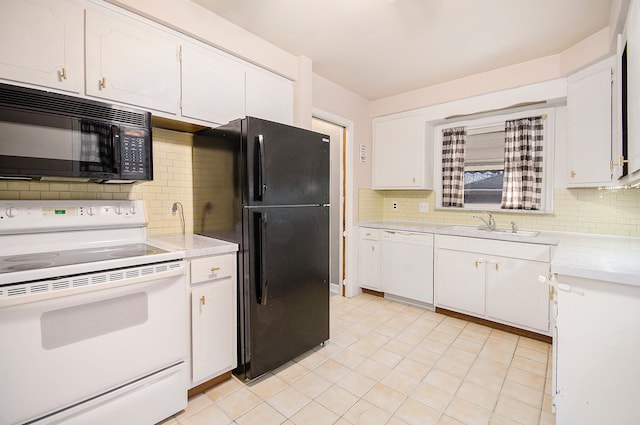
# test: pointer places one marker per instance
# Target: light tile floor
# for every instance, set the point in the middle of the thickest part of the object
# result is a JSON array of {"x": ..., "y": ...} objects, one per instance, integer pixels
[{"x": 390, "y": 363}]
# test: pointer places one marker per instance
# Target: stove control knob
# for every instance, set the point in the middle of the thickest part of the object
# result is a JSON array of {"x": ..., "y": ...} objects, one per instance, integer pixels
[
  {"x": 12, "y": 212},
  {"x": 118, "y": 210},
  {"x": 133, "y": 209},
  {"x": 91, "y": 210}
]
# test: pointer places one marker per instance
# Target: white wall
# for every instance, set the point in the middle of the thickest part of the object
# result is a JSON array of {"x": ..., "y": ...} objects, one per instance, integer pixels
[
  {"x": 588, "y": 51},
  {"x": 332, "y": 98}
]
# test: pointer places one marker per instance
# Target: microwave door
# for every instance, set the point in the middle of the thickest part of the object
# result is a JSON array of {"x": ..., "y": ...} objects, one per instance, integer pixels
[
  {"x": 35, "y": 144},
  {"x": 96, "y": 153}
]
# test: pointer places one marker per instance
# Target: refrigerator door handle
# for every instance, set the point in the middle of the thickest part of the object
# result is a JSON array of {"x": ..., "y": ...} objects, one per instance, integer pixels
[
  {"x": 261, "y": 275},
  {"x": 261, "y": 185}
]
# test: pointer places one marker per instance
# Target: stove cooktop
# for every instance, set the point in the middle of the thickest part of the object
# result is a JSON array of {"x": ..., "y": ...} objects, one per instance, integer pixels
[{"x": 44, "y": 260}]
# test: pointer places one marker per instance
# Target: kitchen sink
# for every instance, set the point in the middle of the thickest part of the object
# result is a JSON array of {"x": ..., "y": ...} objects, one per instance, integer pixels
[{"x": 482, "y": 229}]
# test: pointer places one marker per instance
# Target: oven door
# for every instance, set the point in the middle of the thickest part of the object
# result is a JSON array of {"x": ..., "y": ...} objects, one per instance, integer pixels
[{"x": 60, "y": 352}]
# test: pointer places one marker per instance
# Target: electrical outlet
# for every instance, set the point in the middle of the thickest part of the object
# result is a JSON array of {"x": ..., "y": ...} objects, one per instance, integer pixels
[
  {"x": 424, "y": 207},
  {"x": 394, "y": 205}
]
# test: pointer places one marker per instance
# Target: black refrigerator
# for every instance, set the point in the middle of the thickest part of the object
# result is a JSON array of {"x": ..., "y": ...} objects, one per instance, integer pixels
[{"x": 265, "y": 186}]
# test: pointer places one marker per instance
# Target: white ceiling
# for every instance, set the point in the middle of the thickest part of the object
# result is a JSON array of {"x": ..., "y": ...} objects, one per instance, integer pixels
[{"x": 378, "y": 48}]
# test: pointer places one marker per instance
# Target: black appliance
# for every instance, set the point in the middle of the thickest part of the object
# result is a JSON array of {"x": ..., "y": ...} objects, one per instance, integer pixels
[
  {"x": 265, "y": 186},
  {"x": 50, "y": 135}
]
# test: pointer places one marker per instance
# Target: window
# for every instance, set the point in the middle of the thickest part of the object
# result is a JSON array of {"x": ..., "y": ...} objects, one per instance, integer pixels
[
  {"x": 484, "y": 166},
  {"x": 484, "y": 159}
]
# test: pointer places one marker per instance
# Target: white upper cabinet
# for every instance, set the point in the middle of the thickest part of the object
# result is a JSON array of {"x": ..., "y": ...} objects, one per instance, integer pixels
[
  {"x": 269, "y": 96},
  {"x": 589, "y": 126},
  {"x": 633, "y": 88},
  {"x": 402, "y": 156},
  {"x": 131, "y": 62},
  {"x": 41, "y": 43},
  {"x": 213, "y": 86}
]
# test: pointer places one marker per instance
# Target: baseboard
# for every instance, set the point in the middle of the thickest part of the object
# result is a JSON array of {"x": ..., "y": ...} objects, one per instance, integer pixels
[
  {"x": 208, "y": 384},
  {"x": 372, "y": 292},
  {"x": 495, "y": 325}
]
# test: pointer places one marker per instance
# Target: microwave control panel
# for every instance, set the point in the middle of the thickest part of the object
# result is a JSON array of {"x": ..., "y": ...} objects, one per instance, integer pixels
[{"x": 135, "y": 153}]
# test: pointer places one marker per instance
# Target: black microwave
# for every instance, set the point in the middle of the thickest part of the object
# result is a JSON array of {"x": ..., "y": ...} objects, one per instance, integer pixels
[{"x": 49, "y": 136}]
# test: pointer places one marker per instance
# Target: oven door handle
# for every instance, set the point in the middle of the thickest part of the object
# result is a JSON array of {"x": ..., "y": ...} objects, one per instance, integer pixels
[{"x": 15, "y": 295}]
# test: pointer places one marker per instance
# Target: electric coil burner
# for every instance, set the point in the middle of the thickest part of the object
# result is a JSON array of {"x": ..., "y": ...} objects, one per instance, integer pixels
[{"x": 93, "y": 318}]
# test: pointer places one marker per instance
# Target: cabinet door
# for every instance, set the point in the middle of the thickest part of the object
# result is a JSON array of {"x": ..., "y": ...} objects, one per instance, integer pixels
[
  {"x": 212, "y": 86},
  {"x": 369, "y": 263},
  {"x": 589, "y": 127},
  {"x": 597, "y": 326},
  {"x": 131, "y": 62},
  {"x": 514, "y": 293},
  {"x": 213, "y": 329},
  {"x": 460, "y": 281},
  {"x": 399, "y": 155},
  {"x": 269, "y": 97},
  {"x": 633, "y": 87},
  {"x": 41, "y": 43}
]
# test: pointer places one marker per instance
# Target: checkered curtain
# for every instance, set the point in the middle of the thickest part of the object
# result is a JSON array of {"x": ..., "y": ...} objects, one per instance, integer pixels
[
  {"x": 522, "y": 184},
  {"x": 453, "y": 143}
]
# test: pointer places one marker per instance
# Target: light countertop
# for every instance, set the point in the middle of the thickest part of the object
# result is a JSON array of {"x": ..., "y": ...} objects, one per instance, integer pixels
[
  {"x": 544, "y": 238},
  {"x": 607, "y": 258},
  {"x": 613, "y": 259},
  {"x": 193, "y": 245}
]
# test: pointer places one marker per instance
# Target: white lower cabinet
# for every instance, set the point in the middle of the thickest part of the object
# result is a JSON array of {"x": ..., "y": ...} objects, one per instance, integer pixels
[
  {"x": 494, "y": 280},
  {"x": 596, "y": 349},
  {"x": 515, "y": 294},
  {"x": 460, "y": 285},
  {"x": 369, "y": 259},
  {"x": 213, "y": 317}
]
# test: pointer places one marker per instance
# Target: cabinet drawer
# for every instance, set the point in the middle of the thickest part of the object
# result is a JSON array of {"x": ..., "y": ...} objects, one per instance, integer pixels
[
  {"x": 210, "y": 268},
  {"x": 369, "y": 234},
  {"x": 525, "y": 251}
]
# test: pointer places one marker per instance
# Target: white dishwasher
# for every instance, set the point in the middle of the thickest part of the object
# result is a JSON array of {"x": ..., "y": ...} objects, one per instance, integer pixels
[{"x": 406, "y": 265}]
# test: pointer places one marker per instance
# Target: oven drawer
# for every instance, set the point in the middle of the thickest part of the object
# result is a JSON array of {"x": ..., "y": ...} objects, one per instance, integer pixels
[{"x": 211, "y": 268}]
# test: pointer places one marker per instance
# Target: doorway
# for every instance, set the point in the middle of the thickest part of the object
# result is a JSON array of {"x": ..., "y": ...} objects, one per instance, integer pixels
[{"x": 337, "y": 140}]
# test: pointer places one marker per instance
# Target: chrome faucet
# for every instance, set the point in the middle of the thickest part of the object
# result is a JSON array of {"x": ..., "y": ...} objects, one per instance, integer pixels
[
  {"x": 491, "y": 224},
  {"x": 514, "y": 227}
]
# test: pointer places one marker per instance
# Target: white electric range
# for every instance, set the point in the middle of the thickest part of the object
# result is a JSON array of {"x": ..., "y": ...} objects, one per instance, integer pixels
[{"x": 92, "y": 318}]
